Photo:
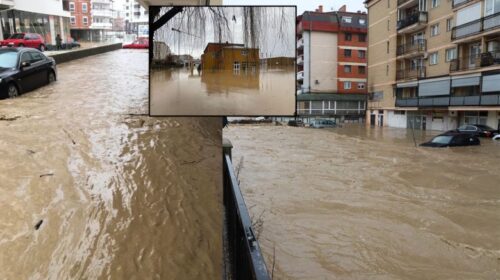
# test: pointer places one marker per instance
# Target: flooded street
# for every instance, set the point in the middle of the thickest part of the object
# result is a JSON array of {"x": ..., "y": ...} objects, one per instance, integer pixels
[
  {"x": 179, "y": 91},
  {"x": 92, "y": 188},
  {"x": 364, "y": 203}
]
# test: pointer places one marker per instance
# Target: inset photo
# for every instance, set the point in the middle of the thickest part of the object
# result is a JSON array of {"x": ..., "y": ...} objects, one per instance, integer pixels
[{"x": 222, "y": 61}]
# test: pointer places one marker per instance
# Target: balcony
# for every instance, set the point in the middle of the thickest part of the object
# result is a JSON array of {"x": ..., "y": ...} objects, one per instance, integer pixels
[
  {"x": 406, "y": 102},
  {"x": 300, "y": 43},
  {"x": 408, "y": 74},
  {"x": 7, "y": 4},
  {"x": 473, "y": 62},
  {"x": 102, "y": 13},
  {"x": 300, "y": 75},
  {"x": 300, "y": 60},
  {"x": 416, "y": 47},
  {"x": 446, "y": 101},
  {"x": 101, "y": 25},
  {"x": 406, "y": 3},
  {"x": 418, "y": 19},
  {"x": 475, "y": 27},
  {"x": 458, "y": 3}
]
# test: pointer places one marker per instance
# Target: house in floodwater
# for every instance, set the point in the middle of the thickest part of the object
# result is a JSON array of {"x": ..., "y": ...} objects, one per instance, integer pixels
[{"x": 230, "y": 56}]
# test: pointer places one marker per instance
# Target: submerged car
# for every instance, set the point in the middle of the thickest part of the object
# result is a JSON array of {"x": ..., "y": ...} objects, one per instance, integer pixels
[
  {"x": 321, "y": 123},
  {"x": 452, "y": 139},
  {"x": 30, "y": 40},
  {"x": 496, "y": 137},
  {"x": 295, "y": 123},
  {"x": 139, "y": 43},
  {"x": 479, "y": 130},
  {"x": 24, "y": 69}
]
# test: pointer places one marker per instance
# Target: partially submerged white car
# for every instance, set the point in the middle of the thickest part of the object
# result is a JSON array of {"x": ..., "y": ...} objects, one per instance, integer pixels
[{"x": 496, "y": 137}]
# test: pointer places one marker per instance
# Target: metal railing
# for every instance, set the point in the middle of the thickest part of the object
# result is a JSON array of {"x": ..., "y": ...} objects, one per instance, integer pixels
[
  {"x": 415, "y": 73},
  {"x": 329, "y": 112},
  {"x": 244, "y": 258},
  {"x": 420, "y": 17},
  {"x": 445, "y": 101},
  {"x": 458, "y": 3},
  {"x": 475, "y": 61},
  {"x": 416, "y": 46},
  {"x": 475, "y": 27}
]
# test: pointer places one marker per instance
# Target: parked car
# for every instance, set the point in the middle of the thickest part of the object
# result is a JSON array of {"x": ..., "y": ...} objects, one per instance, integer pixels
[
  {"x": 139, "y": 43},
  {"x": 496, "y": 137},
  {"x": 24, "y": 69},
  {"x": 30, "y": 40},
  {"x": 321, "y": 123},
  {"x": 479, "y": 130},
  {"x": 452, "y": 139},
  {"x": 295, "y": 123}
]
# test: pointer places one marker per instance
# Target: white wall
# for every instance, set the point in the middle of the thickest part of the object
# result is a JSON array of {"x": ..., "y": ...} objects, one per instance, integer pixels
[
  {"x": 324, "y": 61},
  {"x": 493, "y": 118},
  {"x": 396, "y": 120},
  {"x": 305, "y": 83},
  {"x": 49, "y": 7}
]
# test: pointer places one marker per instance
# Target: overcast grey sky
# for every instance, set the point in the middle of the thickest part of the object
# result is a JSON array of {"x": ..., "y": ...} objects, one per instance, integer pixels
[{"x": 304, "y": 5}]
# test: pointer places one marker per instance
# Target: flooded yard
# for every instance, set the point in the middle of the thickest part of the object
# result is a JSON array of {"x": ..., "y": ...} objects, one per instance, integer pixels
[
  {"x": 180, "y": 91},
  {"x": 92, "y": 188},
  {"x": 364, "y": 203}
]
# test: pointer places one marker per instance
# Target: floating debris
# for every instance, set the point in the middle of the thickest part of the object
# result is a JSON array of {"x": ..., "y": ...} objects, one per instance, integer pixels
[{"x": 37, "y": 226}]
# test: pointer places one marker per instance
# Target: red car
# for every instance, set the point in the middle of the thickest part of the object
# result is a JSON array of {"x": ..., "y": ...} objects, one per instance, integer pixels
[
  {"x": 139, "y": 43},
  {"x": 31, "y": 40}
]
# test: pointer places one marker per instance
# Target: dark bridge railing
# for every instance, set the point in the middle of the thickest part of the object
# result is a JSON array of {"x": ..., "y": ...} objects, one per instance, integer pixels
[{"x": 243, "y": 257}]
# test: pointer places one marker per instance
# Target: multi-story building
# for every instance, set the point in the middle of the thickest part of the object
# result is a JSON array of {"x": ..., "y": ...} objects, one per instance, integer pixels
[
  {"x": 433, "y": 64},
  {"x": 331, "y": 60},
  {"x": 136, "y": 18},
  {"x": 47, "y": 18},
  {"x": 91, "y": 19},
  {"x": 229, "y": 56}
]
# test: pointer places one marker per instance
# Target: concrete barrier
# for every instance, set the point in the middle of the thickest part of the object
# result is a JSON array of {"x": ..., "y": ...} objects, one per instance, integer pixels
[{"x": 81, "y": 53}]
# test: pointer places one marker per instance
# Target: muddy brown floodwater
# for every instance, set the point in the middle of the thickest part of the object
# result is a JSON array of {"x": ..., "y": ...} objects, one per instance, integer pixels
[
  {"x": 361, "y": 203},
  {"x": 179, "y": 91},
  {"x": 92, "y": 189}
]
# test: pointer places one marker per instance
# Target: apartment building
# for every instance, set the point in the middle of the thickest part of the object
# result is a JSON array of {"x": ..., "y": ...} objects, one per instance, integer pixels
[
  {"x": 136, "y": 18},
  {"x": 47, "y": 18},
  {"x": 332, "y": 64},
  {"x": 91, "y": 19},
  {"x": 433, "y": 64}
]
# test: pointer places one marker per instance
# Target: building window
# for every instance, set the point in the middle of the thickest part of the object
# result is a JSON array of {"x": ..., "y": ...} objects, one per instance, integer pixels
[
  {"x": 387, "y": 70},
  {"x": 451, "y": 54},
  {"x": 244, "y": 52},
  {"x": 361, "y": 54},
  {"x": 348, "y": 36},
  {"x": 434, "y": 3},
  {"x": 449, "y": 24},
  {"x": 347, "y": 19},
  {"x": 433, "y": 58},
  {"x": 72, "y": 6},
  {"x": 362, "y": 37},
  {"x": 84, "y": 8},
  {"x": 72, "y": 20},
  {"x": 388, "y": 24},
  {"x": 362, "y": 21},
  {"x": 347, "y": 68},
  {"x": 85, "y": 20},
  {"x": 435, "y": 30},
  {"x": 347, "y": 53},
  {"x": 236, "y": 66},
  {"x": 361, "y": 69},
  {"x": 347, "y": 85},
  {"x": 361, "y": 85},
  {"x": 387, "y": 46}
]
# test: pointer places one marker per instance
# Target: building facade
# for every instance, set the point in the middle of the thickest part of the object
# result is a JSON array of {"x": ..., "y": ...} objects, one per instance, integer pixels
[
  {"x": 136, "y": 18},
  {"x": 91, "y": 20},
  {"x": 433, "y": 64},
  {"x": 47, "y": 18},
  {"x": 229, "y": 56},
  {"x": 331, "y": 62}
]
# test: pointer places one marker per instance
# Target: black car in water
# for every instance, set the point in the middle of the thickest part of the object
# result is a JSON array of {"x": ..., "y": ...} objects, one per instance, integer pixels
[
  {"x": 452, "y": 139},
  {"x": 24, "y": 69},
  {"x": 479, "y": 130}
]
